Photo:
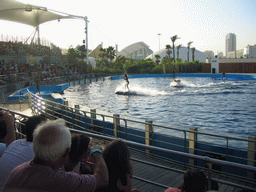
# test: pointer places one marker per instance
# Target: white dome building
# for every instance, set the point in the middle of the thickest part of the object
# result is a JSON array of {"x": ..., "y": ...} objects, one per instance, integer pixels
[
  {"x": 91, "y": 61},
  {"x": 138, "y": 50},
  {"x": 200, "y": 56}
]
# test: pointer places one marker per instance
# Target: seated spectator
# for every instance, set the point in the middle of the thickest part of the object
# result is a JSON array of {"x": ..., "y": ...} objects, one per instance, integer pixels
[
  {"x": 51, "y": 145},
  {"x": 194, "y": 181},
  {"x": 80, "y": 151},
  {"x": 117, "y": 157},
  {"x": 19, "y": 151},
  {"x": 7, "y": 130}
]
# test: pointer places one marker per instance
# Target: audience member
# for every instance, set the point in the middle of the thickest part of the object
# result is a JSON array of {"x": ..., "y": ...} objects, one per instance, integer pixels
[
  {"x": 117, "y": 157},
  {"x": 7, "y": 130},
  {"x": 80, "y": 151},
  {"x": 194, "y": 180},
  {"x": 19, "y": 151},
  {"x": 51, "y": 145}
]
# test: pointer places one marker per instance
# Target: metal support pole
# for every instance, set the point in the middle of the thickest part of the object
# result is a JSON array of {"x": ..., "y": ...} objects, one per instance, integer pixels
[
  {"x": 116, "y": 122},
  {"x": 77, "y": 115},
  {"x": 149, "y": 134},
  {"x": 192, "y": 143},
  {"x": 93, "y": 116},
  {"x": 86, "y": 37},
  {"x": 251, "y": 154},
  {"x": 159, "y": 39},
  {"x": 38, "y": 35}
]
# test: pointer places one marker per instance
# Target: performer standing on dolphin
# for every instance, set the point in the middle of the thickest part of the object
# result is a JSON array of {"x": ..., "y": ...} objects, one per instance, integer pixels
[{"x": 126, "y": 79}]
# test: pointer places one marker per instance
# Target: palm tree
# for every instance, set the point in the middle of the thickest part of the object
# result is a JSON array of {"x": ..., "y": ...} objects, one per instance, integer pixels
[
  {"x": 193, "y": 53},
  {"x": 189, "y": 43},
  {"x": 102, "y": 53},
  {"x": 174, "y": 38},
  {"x": 110, "y": 54},
  {"x": 157, "y": 59},
  {"x": 178, "y": 50},
  {"x": 168, "y": 52}
]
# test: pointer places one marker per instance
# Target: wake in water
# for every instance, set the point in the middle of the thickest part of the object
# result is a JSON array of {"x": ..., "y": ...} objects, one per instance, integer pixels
[
  {"x": 187, "y": 84},
  {"x": 137, "y": 90}
]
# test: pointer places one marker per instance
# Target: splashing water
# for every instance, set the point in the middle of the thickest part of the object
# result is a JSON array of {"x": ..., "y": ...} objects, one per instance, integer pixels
[{"x": 138, "y": 90}]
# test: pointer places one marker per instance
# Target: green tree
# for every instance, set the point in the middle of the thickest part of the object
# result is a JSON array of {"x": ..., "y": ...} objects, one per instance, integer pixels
[
  {"x": 81, "y": 52},
  {"x": 71, "y": 56},
  {"x": 178, "y": 50},
  {"x": 193, "y": 53},
  {"x": 157, "y": 58},
  {"x": 158, "y": 69},
  {"x": 110, "y": 53},
  {"x": 146, "y": 65},
  {"x": 76, "y": 54},
  {"x": 102, "y": 53},
  {"x": 189, "y": 43},
  {"x": 168, "y": 52},
  {"x": 119, "y": 62},
  {"x": 174, "y": 38}
]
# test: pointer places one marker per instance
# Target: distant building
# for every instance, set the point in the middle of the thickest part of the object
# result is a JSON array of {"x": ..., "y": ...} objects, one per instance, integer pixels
[
  {"x": 250, "y": 51},
  {"x": 96, "y": 52},
  {"x": 92, "y": 61},
  {"x": 138, "y": 50},
  {"x": 240, "y": 53},
  {"x": 230, "y": 43},
  {"x": 200, "y": 56},
  {"x": 220, "y": 55},
  {"x": 236, "y": 54},
  {"x": 240, "y": 65},
  {"x": 209, "y": 53},
  {"x": 64, "y": 51}
]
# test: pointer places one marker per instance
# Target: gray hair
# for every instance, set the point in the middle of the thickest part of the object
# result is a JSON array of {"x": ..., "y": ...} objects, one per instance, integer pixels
[{"x": 51, "y": 140}]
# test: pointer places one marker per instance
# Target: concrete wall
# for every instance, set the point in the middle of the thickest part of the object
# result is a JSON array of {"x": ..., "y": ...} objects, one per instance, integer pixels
[
  {"x": 239, "y": 60},
  {"x": 238, "y": 67},
  {"x": 232, "y": 66},
  {"x": 206, "y": 68}
]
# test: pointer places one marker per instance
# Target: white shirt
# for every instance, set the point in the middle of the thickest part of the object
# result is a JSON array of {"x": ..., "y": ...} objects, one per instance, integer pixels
[{"x": 17, "y": 153}]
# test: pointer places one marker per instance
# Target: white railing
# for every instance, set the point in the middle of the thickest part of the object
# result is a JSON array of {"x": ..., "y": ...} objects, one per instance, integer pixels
[{"x": 85, "y": 122}]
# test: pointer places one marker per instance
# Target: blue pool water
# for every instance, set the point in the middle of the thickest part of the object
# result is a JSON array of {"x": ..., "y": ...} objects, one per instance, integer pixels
[{"x": 201, "y": 102}]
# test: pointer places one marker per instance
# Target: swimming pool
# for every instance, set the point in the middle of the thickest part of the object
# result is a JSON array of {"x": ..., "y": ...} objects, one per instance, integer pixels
[{"x": 202, "y": 102}]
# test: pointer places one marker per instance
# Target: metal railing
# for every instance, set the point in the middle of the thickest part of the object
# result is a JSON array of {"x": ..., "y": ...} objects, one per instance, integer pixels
[
  {"x": 19, "y": 122},
  {"x": 98, "y": 125}
]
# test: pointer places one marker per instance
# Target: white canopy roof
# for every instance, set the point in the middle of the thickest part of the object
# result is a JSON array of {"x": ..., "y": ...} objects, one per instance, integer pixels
[{"x": 13, "y": 10}]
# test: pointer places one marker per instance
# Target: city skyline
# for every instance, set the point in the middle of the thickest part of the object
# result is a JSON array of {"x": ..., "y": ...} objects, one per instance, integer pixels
[
  {"x": 230, "y": 43},
  {"x": 204, "y": 23}
]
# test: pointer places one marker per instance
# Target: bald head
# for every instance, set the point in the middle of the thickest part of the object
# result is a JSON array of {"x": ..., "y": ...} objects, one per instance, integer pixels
[{"x": 51, "y": 140}]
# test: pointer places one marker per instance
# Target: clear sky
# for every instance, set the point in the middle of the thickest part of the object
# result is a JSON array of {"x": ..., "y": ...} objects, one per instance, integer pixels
[{"x": 205, "y": 22}]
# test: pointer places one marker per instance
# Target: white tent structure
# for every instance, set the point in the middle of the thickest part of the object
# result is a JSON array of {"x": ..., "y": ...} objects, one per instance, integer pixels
[{"x": 16, "y": 11}]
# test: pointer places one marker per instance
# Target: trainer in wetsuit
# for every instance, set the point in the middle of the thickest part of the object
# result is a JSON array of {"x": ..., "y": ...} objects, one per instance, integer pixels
[
  {"x": 126, "y": 79},
  {"x": 223, "y": 75}
]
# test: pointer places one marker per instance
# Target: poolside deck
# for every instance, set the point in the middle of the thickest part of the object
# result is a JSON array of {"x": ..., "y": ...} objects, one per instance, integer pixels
[{"x": 165, "y": 177}]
